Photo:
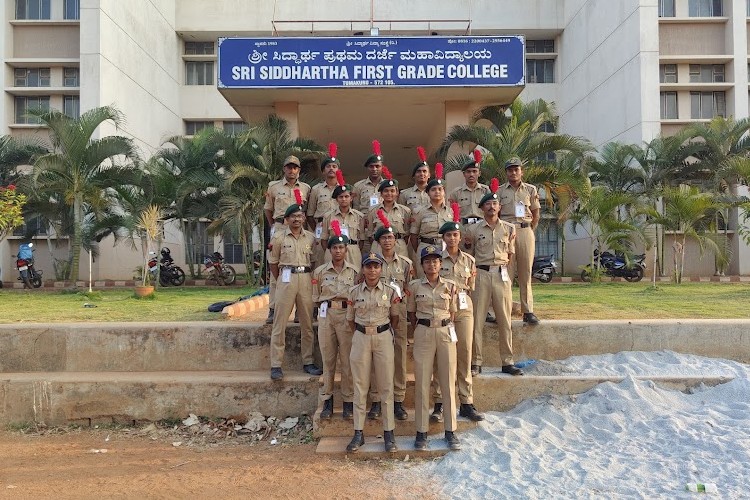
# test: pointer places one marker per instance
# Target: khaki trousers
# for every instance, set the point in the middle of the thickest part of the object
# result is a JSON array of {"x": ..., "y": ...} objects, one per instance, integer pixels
[
  {"x": 399, "y": 360},
  {"x": 464, "y": 323},
  {"x": 521, "y": 263},
  {"x": 278, "y": 226},
  {"x": 432, "y": 344},
  {"x": 370, "y": 351},
  {"x": 489, "y": 288},
  {"x": 297, "y": 292},
  {"x": 335, "y": 339}
]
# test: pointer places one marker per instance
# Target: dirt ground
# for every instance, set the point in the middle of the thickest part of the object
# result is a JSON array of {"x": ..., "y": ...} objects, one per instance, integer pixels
[{"x": 67, "y": 465}]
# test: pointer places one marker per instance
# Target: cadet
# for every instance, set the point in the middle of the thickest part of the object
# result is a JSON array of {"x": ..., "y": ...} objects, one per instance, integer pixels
[
  {"x": 352, "y": 222},
  {"x": 520, "y": 206},
  {"x": 427, "y": 222},
  {"x": 365, "y": 193},
  {"x": 460, "y": 267},
  {"x": 372, "y": 304},
  {"x": 278, "y": 197},
  {"x": 397, "y": 215},
  {"x": 492, "y": 241},
  {"x": 416, "y": 197},
  {"x": 330, "y": 288},
  {"x": 431, "y": 307},
  {"x": 471, "y": 191},
  {"x": 321, "y": 202},
  {"x": 291, "y": 249}
]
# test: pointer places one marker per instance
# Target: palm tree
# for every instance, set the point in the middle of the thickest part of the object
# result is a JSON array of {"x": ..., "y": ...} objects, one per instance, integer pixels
[
  {"x": 79, "y": 171},
  {"x": 13, "y": 153},
  {"x": 615, "y": 168}
]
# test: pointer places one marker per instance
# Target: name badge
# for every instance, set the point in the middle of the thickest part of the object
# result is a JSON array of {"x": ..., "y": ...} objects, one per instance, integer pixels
[
  {"x": 323, "y": 309},
  {"x": 463, "y": 302},
  {"x": 286, "y": 275},
  {"x": 452, "y": 331},
  {"x": 504, "y": 273},
  {"x": 374, "y": 199},
  {"x": 345, "y": 230},
  {"x": 319, "y": 230},
  {"x": 520, "y": 209}
]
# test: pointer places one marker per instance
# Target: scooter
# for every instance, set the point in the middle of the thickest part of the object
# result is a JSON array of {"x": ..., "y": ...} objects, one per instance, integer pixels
[
  {"x": 223, "y": 274},
  {"x": 616, "y": 266},
  {"x": 544, "y": 268},
  {"x": 25, "y": 265}
]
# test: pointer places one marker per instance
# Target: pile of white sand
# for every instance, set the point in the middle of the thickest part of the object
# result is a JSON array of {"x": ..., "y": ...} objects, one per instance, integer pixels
[{"x": 631, "y": 439}]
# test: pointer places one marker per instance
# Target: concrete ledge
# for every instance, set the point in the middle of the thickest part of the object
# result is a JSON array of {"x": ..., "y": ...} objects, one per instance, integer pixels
[
  {"x": 246, "y": 306},
  {"x": 374, "y": 448}
]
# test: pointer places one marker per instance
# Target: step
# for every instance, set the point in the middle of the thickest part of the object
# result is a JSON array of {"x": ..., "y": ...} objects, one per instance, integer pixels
[
  {"x": 374, "y": 448},
  {"x": 337, "y": 426}
]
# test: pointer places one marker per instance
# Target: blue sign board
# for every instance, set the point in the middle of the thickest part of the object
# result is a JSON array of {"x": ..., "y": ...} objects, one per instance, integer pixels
[{"x": 435, "y": 61}]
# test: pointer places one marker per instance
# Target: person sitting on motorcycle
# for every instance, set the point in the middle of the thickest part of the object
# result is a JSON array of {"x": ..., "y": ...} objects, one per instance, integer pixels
[{"x": 166, "y": 256}]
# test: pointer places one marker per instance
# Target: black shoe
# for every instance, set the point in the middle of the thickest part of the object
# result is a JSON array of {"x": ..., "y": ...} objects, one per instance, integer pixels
[
  {"x": 475, "y": 370},
  {"x": 512, "y": 370},
  {"x": 468, "y": 411},
  {"x": 348, "y": 410},
  {"x": 357, "y": 441},
  {"x": 398, "y": 411},
  {"x": 327, "y": 411},
  {"x": 312, "y": 370},
  {"x": 296, "y": 316},
  {"x": 269, "y": 319},
  {"x": 276, "y": 374},
  {"x": 530, "y": 318},
  {"x": 452, "y": 440},
  {"x": 375, "y": 411},
  {"x": 420, "y": 444},
  {"x": 491, "y": 319},
  {"x": 390, "y": 441},
  {"x": 437, "y": 413}
]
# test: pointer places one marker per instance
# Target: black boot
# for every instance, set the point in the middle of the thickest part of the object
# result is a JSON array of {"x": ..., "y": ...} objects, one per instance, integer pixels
[
  {"x": 452, "y": 440},
  {"x": 348, "y": 410},
  {"x": 375, "y": 411},
  {"x": 390, "y": 441},
  {"x": 327, "y": 411},
  {"x": 420, "y": 444},
  {"x": 269, "y": 319},
  {"x": 468, "y": 411},
  {"x": 357, "y": 441},
  {"x": 398, "y": 411},
  {"x": 437, "y": 413}
]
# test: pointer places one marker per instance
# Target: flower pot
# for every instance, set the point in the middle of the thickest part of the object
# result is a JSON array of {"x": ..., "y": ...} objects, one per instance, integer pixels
[{"x": 143, "y": 291}]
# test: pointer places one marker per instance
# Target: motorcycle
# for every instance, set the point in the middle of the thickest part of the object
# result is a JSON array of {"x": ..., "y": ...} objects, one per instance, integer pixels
[
  {"x": 544, "y": 268},
  {"x": 169, "y": 273},
  {"x": 30, "y": 276},
  {"x": 223, "y": 274},
  {"x": 616, "y": 266}
]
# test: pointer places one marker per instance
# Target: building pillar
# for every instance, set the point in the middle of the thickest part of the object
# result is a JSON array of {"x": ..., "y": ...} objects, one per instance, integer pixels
[
  {"x": 736, "y": 71},
  {"x": 740, "y": 247},
  {"x": 289, "y": 111}
]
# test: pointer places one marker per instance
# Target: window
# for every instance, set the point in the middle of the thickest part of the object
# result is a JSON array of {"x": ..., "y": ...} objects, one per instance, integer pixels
[
  {"x": 26, "y": 103},
  {"x": 199, "y": 48},
  {"x": 540, "y": 70},
  {"x": 748, "y": 8},
  {"x": 199, "y": 72},
  {"x": 70, "y": 77},
  {"x": 706, "y": 73},
  {"x": 546, "y": 238},
  {"x": 668, "y": 73},
  {"x": 72, "y": 106},
  {"x": 706, "y": 105},
  {"x": 32, "y": 77},
  {"x": 705, "y": 8},
  {"x": 547, "y": 127},
  {"x": 666, "y": 8},
  {"x": 232, "y": 249},
  {"x": 32, "y": 9},
  {"x": 540, "y": 46},
  {"x": 71, "y": 9},
  {"x": 193, "y": 127},
  {"x": 30, "y": 227},
  {"x": 234, "y": 128},
  {"x": 668, "y": 105}
]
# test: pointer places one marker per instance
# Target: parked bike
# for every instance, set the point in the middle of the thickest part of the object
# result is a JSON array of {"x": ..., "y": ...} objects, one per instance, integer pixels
[
  {"x": 169, "y": 273},
  {"x": 27, "y": 273},
  {"x": 544, "y": 268},
  {"x": 616, "y": 266},
  {"x": 223, "y": 274}
]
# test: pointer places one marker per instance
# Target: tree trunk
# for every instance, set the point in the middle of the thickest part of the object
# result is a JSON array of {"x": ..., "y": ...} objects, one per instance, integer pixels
[{"x": 75, "y": 247}]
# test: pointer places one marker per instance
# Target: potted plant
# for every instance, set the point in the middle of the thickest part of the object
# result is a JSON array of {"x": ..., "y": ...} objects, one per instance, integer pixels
[{"x": 149, "y": 225}]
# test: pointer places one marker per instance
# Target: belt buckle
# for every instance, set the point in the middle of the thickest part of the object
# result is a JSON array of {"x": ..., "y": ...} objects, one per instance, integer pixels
[
  {"x": 471, "y": 220},
  {"x": 371, "y": 330},
  {"x": 336, "y": 304},
  {"x": 299, "y": 269}
]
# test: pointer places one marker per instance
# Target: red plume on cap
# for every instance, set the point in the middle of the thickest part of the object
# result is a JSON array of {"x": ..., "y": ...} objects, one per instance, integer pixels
[
  {"x": 477, "y": 156},
  {"x": 376, "y": 147},
  {"x": 340, "y": 178},
  {"x": 383, "y": 218},
  {"x": 438, "y": 171},
  {"x": 336, "y": 227},
  {"x": 456, "y": 211},
  {"x": 387, "y": 173},
  {"x": 422, "y": 154},
  {"x": 332, "y": 149},
  {"x": 298, "y": 197},
  {"x": 494, "y": 185}
]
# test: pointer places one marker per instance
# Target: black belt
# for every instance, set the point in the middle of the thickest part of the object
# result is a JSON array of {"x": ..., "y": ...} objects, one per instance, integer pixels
[
  {"x": 318, "y": 219},
  {"x": 379, "y": 329},
  {"x": 487, "y": 268},
  {"x": 431, "y": 241},
  {"x": 279, "y": 219},
  {"x": 523, "y": 224},
  {"x": 353, "y": 242},
  {"x": 298, "y": 269},
  {"x": 337, "y": 304},
  {"x": 428, "y": 323},
  {"x": 470, "y": 220}
]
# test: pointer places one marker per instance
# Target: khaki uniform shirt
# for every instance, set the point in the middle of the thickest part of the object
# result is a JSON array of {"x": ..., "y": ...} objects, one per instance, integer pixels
[
  {"x": 428, "y": 221},
  {"x": 328, "y": 284},
  {"x": 462, "y": 271},
  {"x": 354, "y": 220},
  {"x": 320, "y": 202},
  {"x": 372, "y": 306},
  {"x": 280, "y": 195},
  {"x": 434, "y": 304},
  {"x": 361, "y": 192},
  {"x": 399, "y": 216},
  {"x": 509, "y": 197},
  {"x": 399, "y": 271},
  {"x": 414, "y": 199},
  {"x": 492, "y": 247},
  {"x": 468, "y": 199},
  {"x": 290, "y": 250}
]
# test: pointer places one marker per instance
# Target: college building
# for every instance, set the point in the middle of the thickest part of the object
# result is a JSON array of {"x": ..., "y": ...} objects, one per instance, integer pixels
[{"x": 617, "y": 70}]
